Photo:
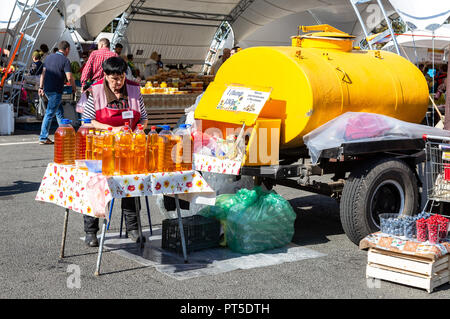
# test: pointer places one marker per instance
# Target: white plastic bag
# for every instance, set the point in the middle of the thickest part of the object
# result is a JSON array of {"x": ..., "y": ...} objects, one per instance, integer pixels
[
  {"x": 359, "y": 127},
  {"x": 82, "y": 102},
  {"x": 41, "y": 107}
]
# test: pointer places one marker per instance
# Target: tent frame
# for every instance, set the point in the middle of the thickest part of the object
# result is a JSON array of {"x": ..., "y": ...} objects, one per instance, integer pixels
[{"x": 30, "y": 32}]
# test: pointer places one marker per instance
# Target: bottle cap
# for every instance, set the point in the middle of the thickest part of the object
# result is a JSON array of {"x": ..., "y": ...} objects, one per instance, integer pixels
[
  {"x": 110, "y": 128},
  {"x": 183, "y": 126},
  {"x": 165, "y": 127},
  {"x": 66, "y": 121},
  {"x": 127, "y": 123},
  {"x": 86, "y": 121},
  {"x": 153, "y": 128},
  {"x": 125, "y": 128}
]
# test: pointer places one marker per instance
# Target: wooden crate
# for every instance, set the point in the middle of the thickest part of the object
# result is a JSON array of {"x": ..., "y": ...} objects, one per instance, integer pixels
[
  {"x": 407, "y": 269},
  {"x": 160, "y": 116}
]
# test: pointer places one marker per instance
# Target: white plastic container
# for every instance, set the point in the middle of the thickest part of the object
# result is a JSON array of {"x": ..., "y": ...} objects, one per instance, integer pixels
[{"x": 6, "y": 119}]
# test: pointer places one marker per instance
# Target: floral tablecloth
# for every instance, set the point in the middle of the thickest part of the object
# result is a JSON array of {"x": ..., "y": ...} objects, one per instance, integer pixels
[
  {"x": 215, "y": 165},
  {"x": 89, "y": 193},
  {"x": 400, "y": 245}
]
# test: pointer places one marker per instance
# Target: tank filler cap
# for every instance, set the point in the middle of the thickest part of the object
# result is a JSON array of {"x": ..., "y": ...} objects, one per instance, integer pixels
[{"x": 324, "y": 37}]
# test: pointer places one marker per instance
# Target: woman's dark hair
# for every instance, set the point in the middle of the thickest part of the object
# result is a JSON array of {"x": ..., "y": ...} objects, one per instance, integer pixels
[{"x": 114, "y": 65}]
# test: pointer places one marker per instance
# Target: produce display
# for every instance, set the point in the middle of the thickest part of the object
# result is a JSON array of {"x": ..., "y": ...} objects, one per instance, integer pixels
[
  {"x": 125, "y": 152},
  {"x": 184, "y": 81},
  {"x": 423, "y": 227}
]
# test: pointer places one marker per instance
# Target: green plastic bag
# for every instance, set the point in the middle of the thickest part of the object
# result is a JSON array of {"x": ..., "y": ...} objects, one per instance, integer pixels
[
  {"x": 261, "y": 221},
  {"x": 253, "y": 220}
]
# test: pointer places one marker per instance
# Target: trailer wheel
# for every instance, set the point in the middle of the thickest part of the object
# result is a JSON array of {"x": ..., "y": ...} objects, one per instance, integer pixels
[{"x": 380, "y": 186}]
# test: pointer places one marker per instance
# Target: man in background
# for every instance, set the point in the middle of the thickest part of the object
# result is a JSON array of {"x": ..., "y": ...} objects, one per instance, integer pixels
[
  {"x": 93, "y": 71},
  {"x": 45, "y": 51},
  {"x": 118, "y": 49},
  {"x": 55, "y": 71},
  {"x": 226, "y": 53}
]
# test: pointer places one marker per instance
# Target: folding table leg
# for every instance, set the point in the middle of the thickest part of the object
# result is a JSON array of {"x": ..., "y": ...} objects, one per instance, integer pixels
[
  {"x": 63, "y": 241},
  {"x": 110, "y": 212},
  {"x": 100, "y": 249},
  {"x": 148, "y": 214},
  {"x": 102, "y": 239},
  {"x": 180, "y": 226}
]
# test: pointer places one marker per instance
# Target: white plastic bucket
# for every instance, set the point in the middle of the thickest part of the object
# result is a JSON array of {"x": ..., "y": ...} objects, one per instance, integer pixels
[{"x": 6, "y": 119}]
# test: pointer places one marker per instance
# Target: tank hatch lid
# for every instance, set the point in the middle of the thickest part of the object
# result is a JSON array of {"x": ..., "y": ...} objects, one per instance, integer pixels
[
  {"x": 323, "y": 36},
  {"x": 335, "y": 35},
  {"x": 324, "y": 30},
  {"x": 232, "y": 103}
]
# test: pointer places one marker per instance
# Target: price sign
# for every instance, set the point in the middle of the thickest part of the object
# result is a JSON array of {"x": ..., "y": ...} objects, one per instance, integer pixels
[{"x": 243, "y": 99}]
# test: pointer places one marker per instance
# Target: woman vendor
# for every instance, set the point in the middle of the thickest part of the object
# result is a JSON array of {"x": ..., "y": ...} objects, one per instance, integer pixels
[{"x": 114, "y": 101}]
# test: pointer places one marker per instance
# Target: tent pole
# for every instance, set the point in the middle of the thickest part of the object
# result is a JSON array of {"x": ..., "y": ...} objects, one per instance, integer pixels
[
  {"x": 361, "y": 22},
  {"x": 447, "y": 96},
  {"x": 389, "y": 26}
]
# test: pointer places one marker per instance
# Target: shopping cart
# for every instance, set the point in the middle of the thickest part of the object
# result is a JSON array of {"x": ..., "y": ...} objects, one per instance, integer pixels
[{"x": 437, "y": 172}]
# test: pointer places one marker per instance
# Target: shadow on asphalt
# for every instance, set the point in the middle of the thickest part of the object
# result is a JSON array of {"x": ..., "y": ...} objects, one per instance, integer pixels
[
  {"x": 122, "y": 270},
  {"x": 317, "y": 218},
  {"x": 19, "y": 187}
]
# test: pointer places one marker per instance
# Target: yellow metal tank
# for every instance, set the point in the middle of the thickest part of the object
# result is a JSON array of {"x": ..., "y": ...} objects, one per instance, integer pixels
[{"x": 320, "y": 77}]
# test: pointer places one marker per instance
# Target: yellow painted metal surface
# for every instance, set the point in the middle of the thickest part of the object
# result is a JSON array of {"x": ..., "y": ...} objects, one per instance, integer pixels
[{"x": 312, "y": 85}]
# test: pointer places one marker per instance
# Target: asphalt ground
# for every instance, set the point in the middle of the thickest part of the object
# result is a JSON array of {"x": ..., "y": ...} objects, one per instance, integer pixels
[{"x": 31, "y": 235}]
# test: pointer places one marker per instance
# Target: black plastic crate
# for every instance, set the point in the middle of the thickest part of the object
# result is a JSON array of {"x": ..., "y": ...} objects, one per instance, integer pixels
[{"x": 199, "y": 232}]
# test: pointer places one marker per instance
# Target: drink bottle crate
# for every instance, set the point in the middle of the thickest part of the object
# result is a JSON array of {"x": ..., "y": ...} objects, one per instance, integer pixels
[{"x": 199, "y": 232}]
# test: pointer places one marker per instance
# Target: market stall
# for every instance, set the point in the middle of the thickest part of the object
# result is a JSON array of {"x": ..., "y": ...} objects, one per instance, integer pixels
[
  {"x": 91, "y": 193},
  {"x": 168, "y": 93}
]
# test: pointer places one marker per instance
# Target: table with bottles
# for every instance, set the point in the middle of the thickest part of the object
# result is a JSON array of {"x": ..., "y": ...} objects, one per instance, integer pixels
[{"x": 132, "y": 164}]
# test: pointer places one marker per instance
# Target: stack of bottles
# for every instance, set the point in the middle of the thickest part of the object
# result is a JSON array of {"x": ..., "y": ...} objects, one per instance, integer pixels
[{"x": 125, "y": 152}]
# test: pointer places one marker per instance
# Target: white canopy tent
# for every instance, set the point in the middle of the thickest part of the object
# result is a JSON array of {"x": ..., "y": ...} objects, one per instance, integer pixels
[
  {"x": 182, "y": 30},
  {"x": 422, "y": 42}
]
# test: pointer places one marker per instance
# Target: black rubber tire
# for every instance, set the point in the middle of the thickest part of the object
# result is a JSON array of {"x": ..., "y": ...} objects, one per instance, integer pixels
[{"x": 359, "y": 190}]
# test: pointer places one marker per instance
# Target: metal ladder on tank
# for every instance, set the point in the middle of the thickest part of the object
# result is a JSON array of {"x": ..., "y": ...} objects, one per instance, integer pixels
[
  {"x": 34, "y": 14},
  {"x": 354, "y": 4}
]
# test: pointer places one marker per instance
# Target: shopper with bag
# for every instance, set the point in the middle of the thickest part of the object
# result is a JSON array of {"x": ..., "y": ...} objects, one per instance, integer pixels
[
  {"x": 56, "y": 69},
  {"x": 114, "y": 101}
]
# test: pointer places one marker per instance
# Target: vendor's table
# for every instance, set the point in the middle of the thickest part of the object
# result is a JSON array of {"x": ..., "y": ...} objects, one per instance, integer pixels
[
  {"x": 91, "y": 193},
  {"x": 409, "y": 262}
]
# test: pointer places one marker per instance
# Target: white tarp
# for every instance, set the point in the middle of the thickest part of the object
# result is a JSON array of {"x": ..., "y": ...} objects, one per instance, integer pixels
[{"x": 421, "y": 14}]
